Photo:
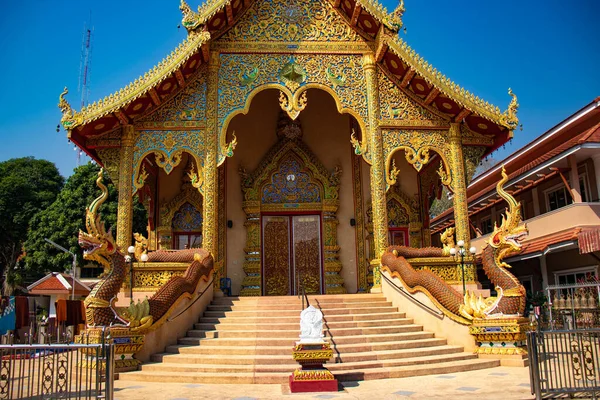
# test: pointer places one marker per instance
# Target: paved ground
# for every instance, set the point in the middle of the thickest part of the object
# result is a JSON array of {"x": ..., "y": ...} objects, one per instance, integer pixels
[{"x": 489, "y": 384}]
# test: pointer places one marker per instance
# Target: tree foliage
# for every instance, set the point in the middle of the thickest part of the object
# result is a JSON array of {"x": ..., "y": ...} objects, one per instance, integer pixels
[
  {"x": 27, "y": 186},
  {"x": 63, "y": 219},
  {"x": 445, "y": 201}
]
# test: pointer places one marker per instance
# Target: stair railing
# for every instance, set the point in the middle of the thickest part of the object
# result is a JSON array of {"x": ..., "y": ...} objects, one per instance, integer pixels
[{"x": 301, "y": 290}]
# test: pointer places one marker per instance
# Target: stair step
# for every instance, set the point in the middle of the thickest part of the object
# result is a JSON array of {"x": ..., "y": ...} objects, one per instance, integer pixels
[
  {"x": 247, "y": 340},
  {"x": 325, "y": 307},
  {"x": 235, "y": 316},
  {"x": 296, "y": 313},
  {"x": 289, "y": 367},
  {"x": 283, "y": 350},
  {"x": 293, "y": 332},
  {"x": 282, "y": 377},
  {"x": 293, "y": 322},
  {"x": 187, "y": 358},
  {"x": 250, "y": 340}
]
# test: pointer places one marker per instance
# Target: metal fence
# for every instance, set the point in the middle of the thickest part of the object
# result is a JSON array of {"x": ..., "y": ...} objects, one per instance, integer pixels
[
  {"x": 51, "y": 371},
  {"x": 564, "y": 363}
]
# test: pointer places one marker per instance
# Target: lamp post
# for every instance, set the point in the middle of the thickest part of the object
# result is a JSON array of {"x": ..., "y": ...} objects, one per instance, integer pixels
[
  {"x": 129, "y": 259},
  {"x": 72, "y": 267},
  {"x": 461, "y": 252}
]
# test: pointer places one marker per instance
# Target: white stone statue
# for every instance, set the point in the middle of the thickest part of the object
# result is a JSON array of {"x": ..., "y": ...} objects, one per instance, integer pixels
[{"x": 311, "y": 325}]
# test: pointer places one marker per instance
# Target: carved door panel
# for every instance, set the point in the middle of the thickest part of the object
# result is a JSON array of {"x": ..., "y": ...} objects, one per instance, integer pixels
[
  {"x": 291, "y": 254},
  {"x": 307, "y": 252},
  {"x": 276, "y": 255}
]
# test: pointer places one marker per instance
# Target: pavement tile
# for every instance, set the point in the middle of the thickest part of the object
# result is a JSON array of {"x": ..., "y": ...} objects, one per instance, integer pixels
[
  {"x": 499, "y": 373},
  {"x": 325, "y": 396},
  {"x": 525, "y": 384},
  {"x": 467, "y": 389},
  {"x": 192, "y": 385},
  {"x": 244, "y": 398},
  {"x": 446, "y": 376},
  {"x": 405, "y": 393}
]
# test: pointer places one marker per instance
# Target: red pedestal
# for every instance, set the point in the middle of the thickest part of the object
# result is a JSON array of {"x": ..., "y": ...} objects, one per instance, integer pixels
[{"x": 330, "y": 385}]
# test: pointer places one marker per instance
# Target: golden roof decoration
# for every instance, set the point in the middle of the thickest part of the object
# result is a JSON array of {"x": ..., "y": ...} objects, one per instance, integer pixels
[
  {"x": 192, "y": 20},
  {"x": 135, "y": 89},
  {"x": 392, "y": 20},
  {"x": 464, "y": 98}
]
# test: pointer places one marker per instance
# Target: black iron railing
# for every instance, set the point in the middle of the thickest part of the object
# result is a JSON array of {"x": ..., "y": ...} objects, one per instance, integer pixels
[
  {"x": 564, "y": 363},
  {"x": 50, "y": 371}
]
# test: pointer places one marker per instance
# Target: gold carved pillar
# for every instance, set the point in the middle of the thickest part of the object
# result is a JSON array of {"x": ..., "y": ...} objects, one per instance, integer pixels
[
  {"x": 125, "y": 207},
  {"x": 459, "y": 185},
  {"x": 211, "y": 141},
  {"x": 378, "y": 181}
]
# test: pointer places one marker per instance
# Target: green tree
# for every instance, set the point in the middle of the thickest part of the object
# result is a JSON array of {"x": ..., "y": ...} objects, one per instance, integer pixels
[
  {"x": 445, "y": 201},
  {"x": 27, "y": 186},
  {"x": 62, "y": 220}
]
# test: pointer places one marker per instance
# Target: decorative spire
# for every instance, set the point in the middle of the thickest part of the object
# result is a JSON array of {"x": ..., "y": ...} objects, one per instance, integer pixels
[
  {"x": 190, "y": 18},
  {"x": 65, "y": 107},
  {"x": 511, "y": 112},
  {"x": 396, "y": 16}
]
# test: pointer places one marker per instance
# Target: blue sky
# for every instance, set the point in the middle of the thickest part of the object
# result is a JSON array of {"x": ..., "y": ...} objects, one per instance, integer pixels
[{"x": 546, "y": 50}]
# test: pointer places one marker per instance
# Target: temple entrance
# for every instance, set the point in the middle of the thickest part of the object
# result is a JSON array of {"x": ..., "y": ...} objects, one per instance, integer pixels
[{"x": 291, "y": 254}]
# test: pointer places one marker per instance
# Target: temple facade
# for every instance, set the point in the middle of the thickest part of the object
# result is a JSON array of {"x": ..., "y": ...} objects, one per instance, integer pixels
[{"x": 293, "y": 140}]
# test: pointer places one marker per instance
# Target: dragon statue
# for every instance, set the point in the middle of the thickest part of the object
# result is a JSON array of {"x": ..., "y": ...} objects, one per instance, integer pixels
[
  {"x": 99, "y": 245},
  {"x": 504, "y": 241}
]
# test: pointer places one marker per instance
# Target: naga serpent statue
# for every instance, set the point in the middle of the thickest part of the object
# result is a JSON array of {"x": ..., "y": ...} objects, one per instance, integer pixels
[
  {"x": 504, "y": 241},
  {"x": 99, "y": 245}
]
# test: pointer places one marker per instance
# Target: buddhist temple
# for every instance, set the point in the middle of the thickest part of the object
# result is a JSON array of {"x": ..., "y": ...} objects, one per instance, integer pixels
[{"x": 293, "y": 140}]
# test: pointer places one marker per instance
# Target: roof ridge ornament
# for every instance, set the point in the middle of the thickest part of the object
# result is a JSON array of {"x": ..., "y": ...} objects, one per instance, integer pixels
[
  {"x": 396, "y": 15},
  {"x": 511, "y": 112},
  {"x": 68, "y": 117},
  {"x": 190, "y": 19}
]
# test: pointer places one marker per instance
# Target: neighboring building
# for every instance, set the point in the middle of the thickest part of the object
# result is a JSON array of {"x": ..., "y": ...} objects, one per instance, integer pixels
[{"x": 557, "y": 180}]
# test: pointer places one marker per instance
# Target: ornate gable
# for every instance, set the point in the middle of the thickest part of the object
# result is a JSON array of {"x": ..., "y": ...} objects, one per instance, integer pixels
[
  {"x": 283, "y": 21},
  {"x": 187, "y": 106}
]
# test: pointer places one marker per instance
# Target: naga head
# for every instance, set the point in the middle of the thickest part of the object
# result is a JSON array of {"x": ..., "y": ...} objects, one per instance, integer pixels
[
  {"x": 98, "y": 245},
  {"x": 506, "y": 238}
]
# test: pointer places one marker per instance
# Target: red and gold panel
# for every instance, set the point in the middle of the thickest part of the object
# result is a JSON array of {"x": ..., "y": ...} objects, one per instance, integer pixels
[
  {"x": 348, "y": 7},
  {"x": 237, "y": 7},
  {"x": 217, "y": 22},
  {"x": 367, "y": 23},
  {"x": 138, "y": 106},
  {"x": 166, "y": 87},
  {"x": 394, "y": 64},
  {"x": 192, "y": 64},
  {"x": 100, "y": 125},
  {"x": 446, "y": 105},
  {"x": 420, "y": 86},
  {"x": 276, "y": 256},
  {"x": 481, "y": 125}
]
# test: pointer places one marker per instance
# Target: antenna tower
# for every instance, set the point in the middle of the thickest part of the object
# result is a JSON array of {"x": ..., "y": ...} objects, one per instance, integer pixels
[{"x": 85, "y": 68}]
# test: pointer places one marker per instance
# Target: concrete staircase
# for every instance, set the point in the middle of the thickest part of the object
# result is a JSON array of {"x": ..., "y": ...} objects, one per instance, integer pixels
[{"x": 250, "y": 340}]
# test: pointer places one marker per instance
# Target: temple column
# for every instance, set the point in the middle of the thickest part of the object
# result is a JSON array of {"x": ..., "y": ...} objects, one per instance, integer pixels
[
  {"x": 459, "y": 185},
  {"x": 378, "y": 182},
  {"x": 125, "y": 206},
  {"x": 211, "y": 142}
]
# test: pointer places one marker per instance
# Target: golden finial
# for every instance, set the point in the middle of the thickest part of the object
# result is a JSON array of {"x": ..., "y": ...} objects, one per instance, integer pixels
[
  {"x": 64, "y": 105},
  {"x": 511, "y": 112},
  {"x": 190, "y": 18},
  {"x": 396, "y": 16}
]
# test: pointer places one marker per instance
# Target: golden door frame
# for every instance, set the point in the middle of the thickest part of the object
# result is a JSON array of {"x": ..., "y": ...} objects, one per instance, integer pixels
[{"x": 254, "y": 207}]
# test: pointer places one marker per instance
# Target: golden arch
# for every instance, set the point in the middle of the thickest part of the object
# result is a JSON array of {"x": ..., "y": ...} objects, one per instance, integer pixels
[
  {"x": 164, "y": 161},
  {"x": 295, "y": 99},
  {"x": 417, "y": 158}
]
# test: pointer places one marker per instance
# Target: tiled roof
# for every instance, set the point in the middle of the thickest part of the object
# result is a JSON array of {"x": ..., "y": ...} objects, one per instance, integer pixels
[
  {"x": 591, "y": 135},
  {"x": 52, "y": 283},
  {"x": 541, "y": 243}
]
